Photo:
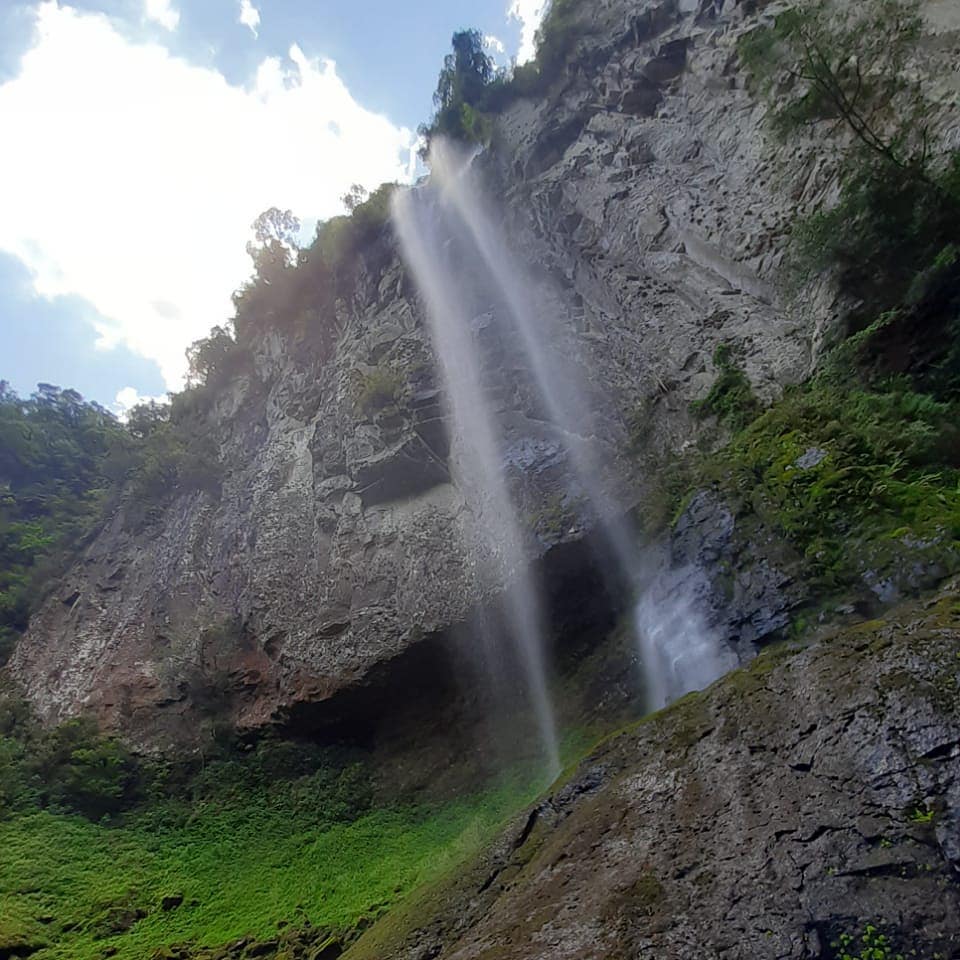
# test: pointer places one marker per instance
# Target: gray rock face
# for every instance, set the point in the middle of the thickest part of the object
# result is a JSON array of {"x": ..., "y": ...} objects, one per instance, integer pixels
[
  {"x": 749, "y": 580},
  {"x": 796, "y": 801},
  {"x": 654, "y": 211}
]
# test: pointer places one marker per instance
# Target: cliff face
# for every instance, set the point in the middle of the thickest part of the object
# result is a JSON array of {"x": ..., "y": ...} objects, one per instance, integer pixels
[
  {"x": 654, "y": 209},
  {"x": 801, "y": 800}
]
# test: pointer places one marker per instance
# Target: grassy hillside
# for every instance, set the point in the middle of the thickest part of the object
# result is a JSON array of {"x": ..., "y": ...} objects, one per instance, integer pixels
[{"x": 242, "y": 866}]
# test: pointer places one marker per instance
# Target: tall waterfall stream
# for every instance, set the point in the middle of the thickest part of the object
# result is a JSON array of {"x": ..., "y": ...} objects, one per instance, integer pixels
[{"x": 442, "y": 226}]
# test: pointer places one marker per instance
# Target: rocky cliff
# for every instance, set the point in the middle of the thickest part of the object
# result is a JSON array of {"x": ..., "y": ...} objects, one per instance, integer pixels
[
  {"x": 654, "y": 206},
  {"x": 799, "y": 806}
]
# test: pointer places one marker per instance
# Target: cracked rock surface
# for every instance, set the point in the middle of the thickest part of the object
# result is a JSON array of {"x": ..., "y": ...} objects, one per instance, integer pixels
[{"x": 804, "y": 797}]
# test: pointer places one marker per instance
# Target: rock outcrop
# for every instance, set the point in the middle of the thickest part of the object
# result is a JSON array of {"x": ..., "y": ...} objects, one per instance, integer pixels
[
  {"x": 798, "y": 801},
  {"x": 654, "y": 210}
]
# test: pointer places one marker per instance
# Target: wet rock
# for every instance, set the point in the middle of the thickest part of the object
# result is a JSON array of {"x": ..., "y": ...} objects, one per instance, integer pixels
[
  {"x": 765, "y": 817},
  {"x": 748, "y": 580},
  {"x": 810, "y": 458}
]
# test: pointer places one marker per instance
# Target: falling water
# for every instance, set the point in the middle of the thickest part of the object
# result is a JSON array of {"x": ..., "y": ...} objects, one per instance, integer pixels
[
  {"x": 678, "y": 650},
  {"x": 481, "y": 463},
  {"x": 558, "y": 384}
]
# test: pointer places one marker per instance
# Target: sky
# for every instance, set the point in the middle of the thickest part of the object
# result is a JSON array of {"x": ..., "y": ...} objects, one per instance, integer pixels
[{"x": 141, "y": 138}]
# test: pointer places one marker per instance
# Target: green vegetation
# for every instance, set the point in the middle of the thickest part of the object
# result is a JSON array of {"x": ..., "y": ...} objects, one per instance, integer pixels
[
  {"x": 286, "y": 833},
  {"x": 731, "y": 399},
  {"x": 463, "y": 91},
  {"x": 871, "y": 944},
  {"x": 835, "y": 467},
  {"x": 470, "y": 90},
  {"x": 339, "y": 241},
  {"x": 65, "y": 463},
  {"x": 899, "y": 208},
  {"x": 56, "y": 463},
  {"x": 922, "y": 815},
  {"x": 555, "y": 42},
  {"x": 889, "y": 227},
  {"x": 71, "y": 769},
  {"x": 241, "y": 867},
  {"x": 377, "y": 389},
  {"x": 647, "y": 893},
  {"x": 169, "y": 451}
]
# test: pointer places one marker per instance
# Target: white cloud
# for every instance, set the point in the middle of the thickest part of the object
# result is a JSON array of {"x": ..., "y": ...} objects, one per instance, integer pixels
[
  {"x": 249, "y": 16},
  {"x": 160, "y": 11},
  {"x": 127, "y": 398},
  {"x": 131, "y": 178},
  {"x": 494, "y": 43},
  {"x": 529, "y": 14}
]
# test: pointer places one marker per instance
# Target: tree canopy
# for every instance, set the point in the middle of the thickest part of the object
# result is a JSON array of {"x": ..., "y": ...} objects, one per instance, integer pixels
[
  {"x": 55, "y": 466},
  {"x": 462, "y": 90}
]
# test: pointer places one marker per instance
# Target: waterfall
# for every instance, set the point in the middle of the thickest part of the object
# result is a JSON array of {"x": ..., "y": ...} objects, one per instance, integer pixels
[
  {"x": 558, "y": 383},
  {"x": 678, "y": 650},
  {"x": 480, "y": 466}
]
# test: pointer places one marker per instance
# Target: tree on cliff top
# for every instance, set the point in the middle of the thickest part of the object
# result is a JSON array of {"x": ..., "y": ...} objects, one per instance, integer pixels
[
  {"x": 460, "y": 97},
  {"x": 275, "y": 241},
  {"x": 466, "y": 71}
]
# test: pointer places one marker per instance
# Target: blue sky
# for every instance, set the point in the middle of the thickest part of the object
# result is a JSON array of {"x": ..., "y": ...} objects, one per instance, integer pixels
[{"x": 141, "y": 138}]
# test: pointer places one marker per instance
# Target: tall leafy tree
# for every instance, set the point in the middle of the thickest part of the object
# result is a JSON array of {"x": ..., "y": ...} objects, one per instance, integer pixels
[
  {"x": 54, "y": 452},
  {"x": 462, "y": 90},
  {"x": 467, "y": 70}
]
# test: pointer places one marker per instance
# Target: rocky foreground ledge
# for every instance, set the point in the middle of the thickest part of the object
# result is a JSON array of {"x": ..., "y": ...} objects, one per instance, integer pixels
[{"x": 807, "y": 799}]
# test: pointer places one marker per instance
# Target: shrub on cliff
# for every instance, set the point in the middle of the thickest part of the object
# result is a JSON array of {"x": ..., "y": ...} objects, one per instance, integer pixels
[
  {"x": 847, "y": 65},
  {"x": 731, "y": 399},
  {"x": 76, "y": 768},
  {"x": 179, "y": 454},
  {"x": 555, "y": 41},
  {"x": 889, "y": 225},
  {"x": 339, "y": 241},
  {"x": 214, "y": 359},
  {"x": 296, "y": 291},
  {"x": 462, "y": 90}
]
